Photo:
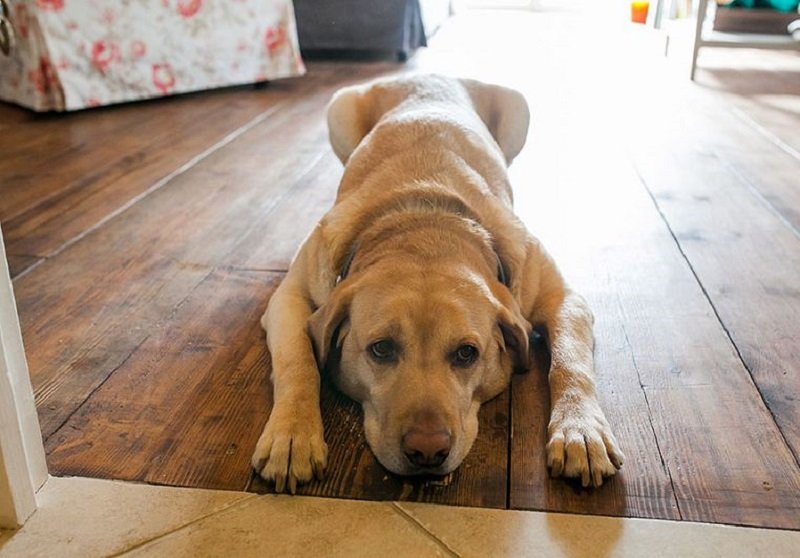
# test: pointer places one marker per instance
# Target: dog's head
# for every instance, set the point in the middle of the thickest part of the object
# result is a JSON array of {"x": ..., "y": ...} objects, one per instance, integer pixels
[
  {"x": 354, "y": 111},
  {"x": 421, "y": 349}
]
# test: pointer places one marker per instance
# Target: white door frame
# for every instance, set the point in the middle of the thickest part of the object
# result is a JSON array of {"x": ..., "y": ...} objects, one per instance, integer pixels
[{"x": 22, "y": 464}]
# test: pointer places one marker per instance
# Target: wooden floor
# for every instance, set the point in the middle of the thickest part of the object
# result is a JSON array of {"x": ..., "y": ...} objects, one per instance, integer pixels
[{"x": 146, "y": 240}]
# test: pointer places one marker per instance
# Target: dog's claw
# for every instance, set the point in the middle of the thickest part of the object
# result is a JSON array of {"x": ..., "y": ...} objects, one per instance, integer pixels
[
  {"x": 291, "y": 450},
  {"x": 319, "y": 470},
  {"x": 581, "y": 445}
]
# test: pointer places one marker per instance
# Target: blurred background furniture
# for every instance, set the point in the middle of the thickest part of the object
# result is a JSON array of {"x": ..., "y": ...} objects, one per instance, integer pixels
[
  {"x": 706, "y": 36},
  {"x": 74, "y": 55},
  {"x": 389, "y": 26}
]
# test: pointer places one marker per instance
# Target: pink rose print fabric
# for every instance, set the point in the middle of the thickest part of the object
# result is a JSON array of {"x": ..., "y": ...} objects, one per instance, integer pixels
[{"x": 75, "y": 54}]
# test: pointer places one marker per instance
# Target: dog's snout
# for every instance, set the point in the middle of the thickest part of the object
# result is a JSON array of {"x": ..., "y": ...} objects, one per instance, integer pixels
[{"x": 427, "y": 448}]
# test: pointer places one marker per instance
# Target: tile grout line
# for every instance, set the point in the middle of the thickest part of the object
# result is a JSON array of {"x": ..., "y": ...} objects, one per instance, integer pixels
[
  {"x": 227, "y": 507},
  {"x": 420, "y": 527},
  {"x": 156, "y": 186}
]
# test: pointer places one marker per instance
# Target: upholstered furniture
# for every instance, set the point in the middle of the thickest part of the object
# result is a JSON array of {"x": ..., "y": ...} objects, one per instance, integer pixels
[{"x": 74, "y": 54}]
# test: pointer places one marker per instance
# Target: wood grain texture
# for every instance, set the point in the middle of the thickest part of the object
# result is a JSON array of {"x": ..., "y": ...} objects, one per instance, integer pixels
[
  {"x": 185, "y": 407},
  {"x": 142, "y": 333},
  {"x": 76, "y": 170},
  {"x": 87, "y": 317},
  {"x": 353, "y": 471},
  {"x": 771, "y": 174},
  {"x": 749, "y": 263},
  {"x": 762, "y": 161},
  {"x": 62, "y": 175},
  {"x": 727, "y": 186},
  {"x": 725, "y": 458},
  {"x": 596, "y": 266},
  {"x": 271, "y": 243},
  {"x": 762, "y": 85},
  {"x": 711, "y": 448}
]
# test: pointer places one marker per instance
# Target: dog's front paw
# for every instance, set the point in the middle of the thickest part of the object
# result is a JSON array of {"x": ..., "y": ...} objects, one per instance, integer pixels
[
  {"x": 291, "y": 449},
  {"x": 581, "y": 443}
]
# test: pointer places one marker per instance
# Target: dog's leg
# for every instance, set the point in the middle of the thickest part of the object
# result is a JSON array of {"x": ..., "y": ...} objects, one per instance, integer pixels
[
  {"x": 580, "y": 441},
  {"x": 291, "y": 449}
]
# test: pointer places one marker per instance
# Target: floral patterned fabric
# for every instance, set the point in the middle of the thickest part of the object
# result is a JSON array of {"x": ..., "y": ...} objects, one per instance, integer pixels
[{"x": 74, "y": 54}]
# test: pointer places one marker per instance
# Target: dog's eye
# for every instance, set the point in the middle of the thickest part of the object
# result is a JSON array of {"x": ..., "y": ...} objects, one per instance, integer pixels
[
  {"x": 465, "y": 355},
  {"x": 383, "y": 350}
]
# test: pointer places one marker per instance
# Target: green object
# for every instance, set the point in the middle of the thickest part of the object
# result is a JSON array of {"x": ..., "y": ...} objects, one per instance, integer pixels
[
  {"x": 783, "y": 5},
  {"x": 780, "y": 5}
]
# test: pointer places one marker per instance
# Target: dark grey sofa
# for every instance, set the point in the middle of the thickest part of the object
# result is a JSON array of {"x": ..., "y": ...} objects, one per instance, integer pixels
[{"x": 389, "y": 26}]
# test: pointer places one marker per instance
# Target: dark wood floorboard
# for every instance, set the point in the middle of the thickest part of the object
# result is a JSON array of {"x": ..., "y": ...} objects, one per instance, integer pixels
[
  {"x": 656, "y": 329},
  {"x": 77, "y": 169},
  {"x": 729, "y": 193},
  {"x": 657, "y": 332},
  {"x": 749, "y": 264},
  {"x": 62, "y": 175},
  {"x": 672, "y": 207},
  {"x": 167, "y": 413},
  {"x": 87, "y": 309},
  {"x": 303, "y": 206},
  {"x": 353, "y": 471},
  {"x": 17, "y": 263}
]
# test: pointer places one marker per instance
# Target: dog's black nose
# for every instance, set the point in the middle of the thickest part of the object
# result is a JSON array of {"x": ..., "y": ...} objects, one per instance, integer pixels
[
  {"x": 425, "y": 461},
  {"x": 425, "y": 448}
]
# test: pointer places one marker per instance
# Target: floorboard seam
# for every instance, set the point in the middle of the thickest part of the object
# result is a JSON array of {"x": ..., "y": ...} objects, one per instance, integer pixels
[
  {"x": 650, "y": 420},
  {"x": 769, "y": 136},
  {"x": 509, "y": 438},
  {"x": 728, "y": 334},
  {"x": 129, "y": 355},
  {"x": 757, "y": 193},
  {"x": 158, "y": 185},
  {"x": 276, "y": 202},
  {"x": 234, "y": 269},
  {"x": 414, "y": 522},
  {"x": 94, "y": 390},
  {"x": 30, "y": 268}
]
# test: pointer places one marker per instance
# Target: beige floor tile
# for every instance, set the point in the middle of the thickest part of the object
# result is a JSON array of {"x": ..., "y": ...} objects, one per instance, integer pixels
[
  {"x": 88, "y": 517},
  {"x": 299, "y": 526},
  {"x": 477, "y": 532}
]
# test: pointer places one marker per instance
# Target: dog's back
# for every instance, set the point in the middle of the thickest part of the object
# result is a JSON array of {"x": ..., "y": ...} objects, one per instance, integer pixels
[{"x": 427, "y": 129}]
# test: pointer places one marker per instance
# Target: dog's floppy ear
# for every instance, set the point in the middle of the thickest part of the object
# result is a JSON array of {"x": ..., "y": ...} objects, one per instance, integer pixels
[
  {"x": 347, "y": 121},
  {"x": 514, "y": 329},
  {"x": 327, "y": 321},
  {"x": 505, "y": 113}
]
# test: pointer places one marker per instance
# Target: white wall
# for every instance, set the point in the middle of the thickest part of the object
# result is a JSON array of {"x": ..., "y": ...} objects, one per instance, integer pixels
[{"x": 22, "y": 465}]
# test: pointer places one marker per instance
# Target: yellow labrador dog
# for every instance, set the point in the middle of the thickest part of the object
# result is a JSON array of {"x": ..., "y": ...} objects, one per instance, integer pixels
[{"x": 424, "y": 286}]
